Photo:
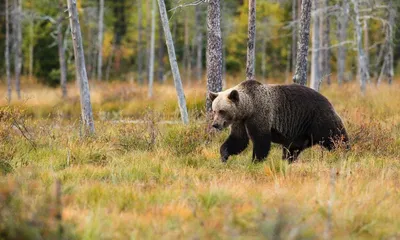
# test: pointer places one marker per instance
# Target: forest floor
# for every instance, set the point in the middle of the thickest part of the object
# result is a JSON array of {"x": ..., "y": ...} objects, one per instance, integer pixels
[{"x": 159, "y": 180}]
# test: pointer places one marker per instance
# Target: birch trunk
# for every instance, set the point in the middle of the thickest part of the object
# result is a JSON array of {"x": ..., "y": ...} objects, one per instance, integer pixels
[
  {"x": 315, "y": 62},
  {"x": 139, "y": 44},
  {"x": 251, "y": 41},
  {"x": 300, "y": 76},
  {"x": 325, "y": 53},
  {"x": 61, "y": 51},
  {"x": 152, "y": 47},
  {"x": 160, "y": 54},
  {"x": 7, "y": 52},
  {"x": 390, "y": 68},
  {"x": 186, "y": 57},
  {"x": 100, "y": 41},
  {"x": 366, "y": 44},
  {"x": 86, "y": 106},
  {"x": 214, "y": 50},
  {"x": 199, "y": 44},
  {"x": 343, "y": 23},
  {"x": 173, "y": 62},
  {"x": 148, "y": 36},
  {"x": 362, "y": 65},
  {"x": 31, "y": 40},
  {"x": 18, "y": 46}
]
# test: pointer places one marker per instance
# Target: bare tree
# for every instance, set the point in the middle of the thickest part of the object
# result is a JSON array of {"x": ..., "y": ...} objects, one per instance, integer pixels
[
  {"x": 152, "y": 47},
  {"x": 86, "y": 106},
  {"x": 390, "y": 37},
  {"x": 186, "y": 49},
  {"x": 139, "y": 43},
  {"x": 315, "y": 62},
  {"x": 294, "y": 35},
  {"x": 214, "y": 50},
  {"x": 251, "y": 41},
  {"x": 31, "y": 43},
  {"x": 7, "y": 52},
  {"x": 300, "y": 76},
  {"x": 325, "y": 52},
  {"x": 100, "y": 40},
  {"x": 362, "y": 64},
  {"x": 199, "y": 44},
  {"x": 173, "y": 62},
  {"x": 18, "y": 45},
  {"x": 61, "y": 51},
  {"x": 343, "y": 21}
]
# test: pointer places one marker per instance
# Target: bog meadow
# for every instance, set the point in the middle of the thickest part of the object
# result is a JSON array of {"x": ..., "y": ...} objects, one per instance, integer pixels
[{"x": 105, "y": 122}]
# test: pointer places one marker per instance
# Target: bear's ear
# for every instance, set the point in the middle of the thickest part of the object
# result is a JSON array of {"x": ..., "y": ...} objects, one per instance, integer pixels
[
  {"x": 234, "y": 96},
  {"x": 212, "y": 95}
]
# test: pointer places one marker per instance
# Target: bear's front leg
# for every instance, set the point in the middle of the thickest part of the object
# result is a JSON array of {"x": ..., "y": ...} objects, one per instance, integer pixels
[
  {"x": 261, "y": 143},
  {"x": 236, "y": 143}
]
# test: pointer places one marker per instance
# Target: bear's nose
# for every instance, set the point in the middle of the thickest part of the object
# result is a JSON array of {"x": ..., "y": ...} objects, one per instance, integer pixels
[{"x": 215, "y": 125}]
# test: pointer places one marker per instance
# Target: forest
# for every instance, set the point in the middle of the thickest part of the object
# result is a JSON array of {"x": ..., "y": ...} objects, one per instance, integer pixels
[{"x": 106, "y": 119}]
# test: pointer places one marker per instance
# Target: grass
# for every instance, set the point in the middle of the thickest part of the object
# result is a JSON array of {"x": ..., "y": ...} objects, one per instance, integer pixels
[{"x": 158, "y": 180}]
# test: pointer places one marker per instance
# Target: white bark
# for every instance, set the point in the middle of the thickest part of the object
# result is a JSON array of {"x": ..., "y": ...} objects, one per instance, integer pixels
[
  {"x": 342, "y": 25},
  {"x": 294, "y": 35},
  {"x": 139, "y": 44},
  {"x": 390, "y": 68},
  {"x": 199, "y": 43},
  {"x": 251, "y": 42},
  {"x": 86, "y": 106},
  {"x": 100, "y": 40},
  {"x": 315, "y": 62},
  {"x": 362, "y": 65},
  {"x": 152, "y": 47},
  {"x": 173, "y": 62},
  {"x": 7, "y": 52}
]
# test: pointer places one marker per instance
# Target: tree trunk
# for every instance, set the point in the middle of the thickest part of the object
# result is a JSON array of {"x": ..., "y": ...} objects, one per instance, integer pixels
[
  {"x": 214, "y": 50},
  {"x": 86, "y": 106},
  {"x": 139, "y": 44},
  {"x": 362, "y": 65},
  {"x": 152, "y": 48},
  {"x": 199, "y": 43},
  {"x": 100, "y": 41},
  {"x": 294, "y": 35},
  {"x": 61, "y": 51},
  {"x": 343, "y": 24},
  {"x": 300, "y": 76},
  {"x": 264, "y": 55},
  {"x": 173, "y": 62},
  {"x": 160, "y": 54},
  {"x": 7, "y": 52},
  {"x": 251, "y": 41},
  {"x": 315, "y": 62},
  {"x": 366, "y": 44},
  {"x": 390, "y": 68},
  {"x": 18, "y": 46},
  {"x": 148, "y": 36}
]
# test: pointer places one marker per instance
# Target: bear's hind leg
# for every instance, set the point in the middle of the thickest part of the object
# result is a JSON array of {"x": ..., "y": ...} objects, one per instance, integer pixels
[
  {"x": 290, "y": 153},
  {"x": 261, "y": 147}
]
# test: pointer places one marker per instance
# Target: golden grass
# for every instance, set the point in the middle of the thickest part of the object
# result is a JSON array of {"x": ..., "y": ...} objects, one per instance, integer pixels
[{"x": 153, "y": 181}]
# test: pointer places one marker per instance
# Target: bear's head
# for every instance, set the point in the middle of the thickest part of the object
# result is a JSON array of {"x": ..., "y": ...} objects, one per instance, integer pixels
[{"x": 225, "y": 106}]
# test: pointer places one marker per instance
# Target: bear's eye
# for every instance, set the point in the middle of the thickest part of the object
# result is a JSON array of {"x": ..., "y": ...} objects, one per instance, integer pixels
[{"x": 222, "y": 112}]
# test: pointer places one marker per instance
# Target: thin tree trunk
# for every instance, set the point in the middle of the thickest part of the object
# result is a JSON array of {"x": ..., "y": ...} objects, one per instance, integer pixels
[
  {"x": 343, "y": 22},
  {"x": 294, "y": 35},
  {"x": 315, "y": 62},
  {"x": 390, "y": 68},
  {"x": 7, "y": 52},
  {"x": 366, "y": 44},
  {"x": 300, "y": 76},
  {"x": 139, "y": 44},
  {"x": 61, "y": 51},
  {"x": 86, "y": 106},
  {"x": 161, "y": 53},
  {"x": 199, "y": 43},
  {"x": 325, "y": 52},
  {"x": 251, "y": 41},
  {"x": 152, "y": 48},
  {"x": 214, "y": 50},
  {"x": 18, "y": 46},
  {"x": 173, "y": 62},
  {"x": 148, "y": 36},
  {"x": 100, "y": 41},
  {"x": 264, "y": 56},
  {"x": 362, "y": 65}
]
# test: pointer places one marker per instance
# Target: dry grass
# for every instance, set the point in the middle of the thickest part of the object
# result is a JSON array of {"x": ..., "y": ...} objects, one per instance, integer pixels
[{"x": 153, "y": 180}]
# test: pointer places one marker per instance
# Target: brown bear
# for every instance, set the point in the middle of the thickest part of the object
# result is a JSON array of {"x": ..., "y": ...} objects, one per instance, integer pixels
[{"x": 295, "y": 116}]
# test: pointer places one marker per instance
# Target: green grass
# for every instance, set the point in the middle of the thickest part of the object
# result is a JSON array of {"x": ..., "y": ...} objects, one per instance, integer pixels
[{"x": 154, "y": 180}]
